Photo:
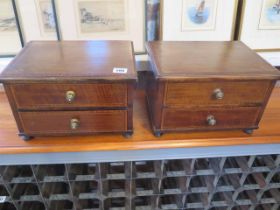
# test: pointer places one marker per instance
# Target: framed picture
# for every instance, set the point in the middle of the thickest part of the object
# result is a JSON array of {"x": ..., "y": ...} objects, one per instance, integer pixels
[
  {"x": 102, "y": 16},
  {"x": 38, "y": 20},
  {"x": 260, "y": 24},
  {"x": 103, "y": 20},
  {"x": 270, "y": 15},
  {"x": 198, "y": 20},
  {"x": 199, "y": 15},
  {"x": 152, "y": 19},
  {"x": 10, "y": 37}
]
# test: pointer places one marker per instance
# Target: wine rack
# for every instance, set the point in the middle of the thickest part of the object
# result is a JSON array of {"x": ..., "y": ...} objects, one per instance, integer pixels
[{"x": 226, "y": 183}]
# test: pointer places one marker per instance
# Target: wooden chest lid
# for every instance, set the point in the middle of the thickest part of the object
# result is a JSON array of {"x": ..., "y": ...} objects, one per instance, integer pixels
[
  {"x": 72, "y": 61},
  {"x": 207, "y": 60}
]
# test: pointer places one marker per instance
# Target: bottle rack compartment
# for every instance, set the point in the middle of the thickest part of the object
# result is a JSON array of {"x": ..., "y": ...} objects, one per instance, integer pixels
[{"x": 232, "y": 183}]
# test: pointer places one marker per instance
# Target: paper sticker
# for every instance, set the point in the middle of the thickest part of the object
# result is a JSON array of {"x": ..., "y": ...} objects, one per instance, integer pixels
[
  {"x": 120, "y": 70},
  {"x": 3, "y": 199}
]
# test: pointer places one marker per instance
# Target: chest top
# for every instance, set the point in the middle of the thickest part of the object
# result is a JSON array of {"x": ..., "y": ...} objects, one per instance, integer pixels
[
  {"x": 208, "y": 60},
  {"x": 72, "y": 60}
]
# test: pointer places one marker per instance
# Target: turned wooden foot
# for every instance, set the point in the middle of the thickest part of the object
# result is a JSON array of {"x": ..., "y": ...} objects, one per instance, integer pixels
[
  {"x": 128, "y": 134},
  {"x": 25, "y": 137},
  {"x": 158, "y": 133},
  {"x": 248, "y": 131}
]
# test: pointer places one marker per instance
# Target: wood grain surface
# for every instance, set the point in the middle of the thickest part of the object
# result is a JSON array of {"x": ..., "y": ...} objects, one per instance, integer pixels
[
  {"x": 208, "y": 60},
  {"x": 58, "y": 123},
  {"x": 48, "y": 96},
  {"x": 226, "y": 118},
  {"x": 242, "y": 93},
  {"x": 143, "y": 137},
  {"x": 78, "y": 61}
]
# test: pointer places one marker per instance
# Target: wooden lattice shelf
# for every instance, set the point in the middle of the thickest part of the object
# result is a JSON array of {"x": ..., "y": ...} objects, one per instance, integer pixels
[{"x": 232, "y": 183}]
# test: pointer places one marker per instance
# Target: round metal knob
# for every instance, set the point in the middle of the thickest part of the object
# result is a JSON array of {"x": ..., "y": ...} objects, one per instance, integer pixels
[
  {"x": 211, "y": 120},
  {"x": 70, "y": 96},
  {"x": 218, "y": 94},
  {"x": 74, "y": 124}
]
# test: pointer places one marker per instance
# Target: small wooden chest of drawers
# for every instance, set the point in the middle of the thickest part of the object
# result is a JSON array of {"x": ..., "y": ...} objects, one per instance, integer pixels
[
  {"x": 207, "y": 86},
  {"x": 72, "y": 88}
]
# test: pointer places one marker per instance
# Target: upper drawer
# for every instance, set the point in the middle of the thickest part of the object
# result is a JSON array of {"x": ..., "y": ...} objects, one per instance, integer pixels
[
  {"x": 69, "y": 95},
  {"x": 216, "y": 93}
]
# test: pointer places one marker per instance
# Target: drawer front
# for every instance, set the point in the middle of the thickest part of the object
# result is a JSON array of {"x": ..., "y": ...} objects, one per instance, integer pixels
[
  {"x": 215, "y": 118},
  {"x": 69, "y": 95},
  {"x": 216, "y": 93},
  {"x": 67, "y": 122}
]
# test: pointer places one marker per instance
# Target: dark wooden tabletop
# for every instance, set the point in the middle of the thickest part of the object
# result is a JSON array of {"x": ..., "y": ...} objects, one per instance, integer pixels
[
  {"x": 143, "y": 138},
  {"x": 208, "y": 60},
  {"x": 72, "y": 60}
]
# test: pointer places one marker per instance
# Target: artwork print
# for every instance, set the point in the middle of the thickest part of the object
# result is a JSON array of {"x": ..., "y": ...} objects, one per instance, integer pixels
[
  {"x": 102, "y": 16},
  {"x": 270, "y": 15},
  {"x": 199, "y": 14},
  {"x": 46, "y": 17},
  {"x": 7, "y": 17},
  {"x": 10, "y": 42}
]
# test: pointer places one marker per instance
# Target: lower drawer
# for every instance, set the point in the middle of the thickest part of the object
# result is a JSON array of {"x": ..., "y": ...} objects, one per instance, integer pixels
[
  {"x": 214, "y": 118},
  {"x": 69, "y": 122}
]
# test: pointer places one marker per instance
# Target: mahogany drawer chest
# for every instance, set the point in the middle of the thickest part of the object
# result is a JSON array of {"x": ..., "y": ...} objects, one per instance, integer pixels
[
  {"x": 207, "y": 86},
  {"x": 72, "y": 88}
]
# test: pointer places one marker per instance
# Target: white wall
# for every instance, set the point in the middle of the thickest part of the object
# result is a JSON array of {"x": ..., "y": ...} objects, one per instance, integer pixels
[
  {"x": 3, "y": 63},
  {"x": 272, "y": 57}
]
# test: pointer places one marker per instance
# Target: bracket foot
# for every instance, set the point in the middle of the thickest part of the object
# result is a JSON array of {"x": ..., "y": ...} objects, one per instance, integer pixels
[
  {"x": 25, "y": 137},
  {"x": 248, "y": 131},
  {"x": 128, "y": 134}
]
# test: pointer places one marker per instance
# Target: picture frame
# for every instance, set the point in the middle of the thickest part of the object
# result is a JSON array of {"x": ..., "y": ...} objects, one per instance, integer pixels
[
  {"x": 260, "y": 25},
  {"x": 199, "y": 15},
  {"x": 270, "y": 15},
  {"x": 103, "y": 20},
  {"x": 152, "y": 19},
  {"x": 11, "y": 40},
  {"x": 198, "y": 20},
  {"x": 38, "y": 20}
]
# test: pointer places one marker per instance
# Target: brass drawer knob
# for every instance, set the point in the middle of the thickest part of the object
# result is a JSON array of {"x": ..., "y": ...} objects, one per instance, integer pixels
[
  {"x": 70, "y": 96},
  {"x": 211, "y": 120},
  {"x": 74, "y": 124},
  {"x": 218, "y": 94}
]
